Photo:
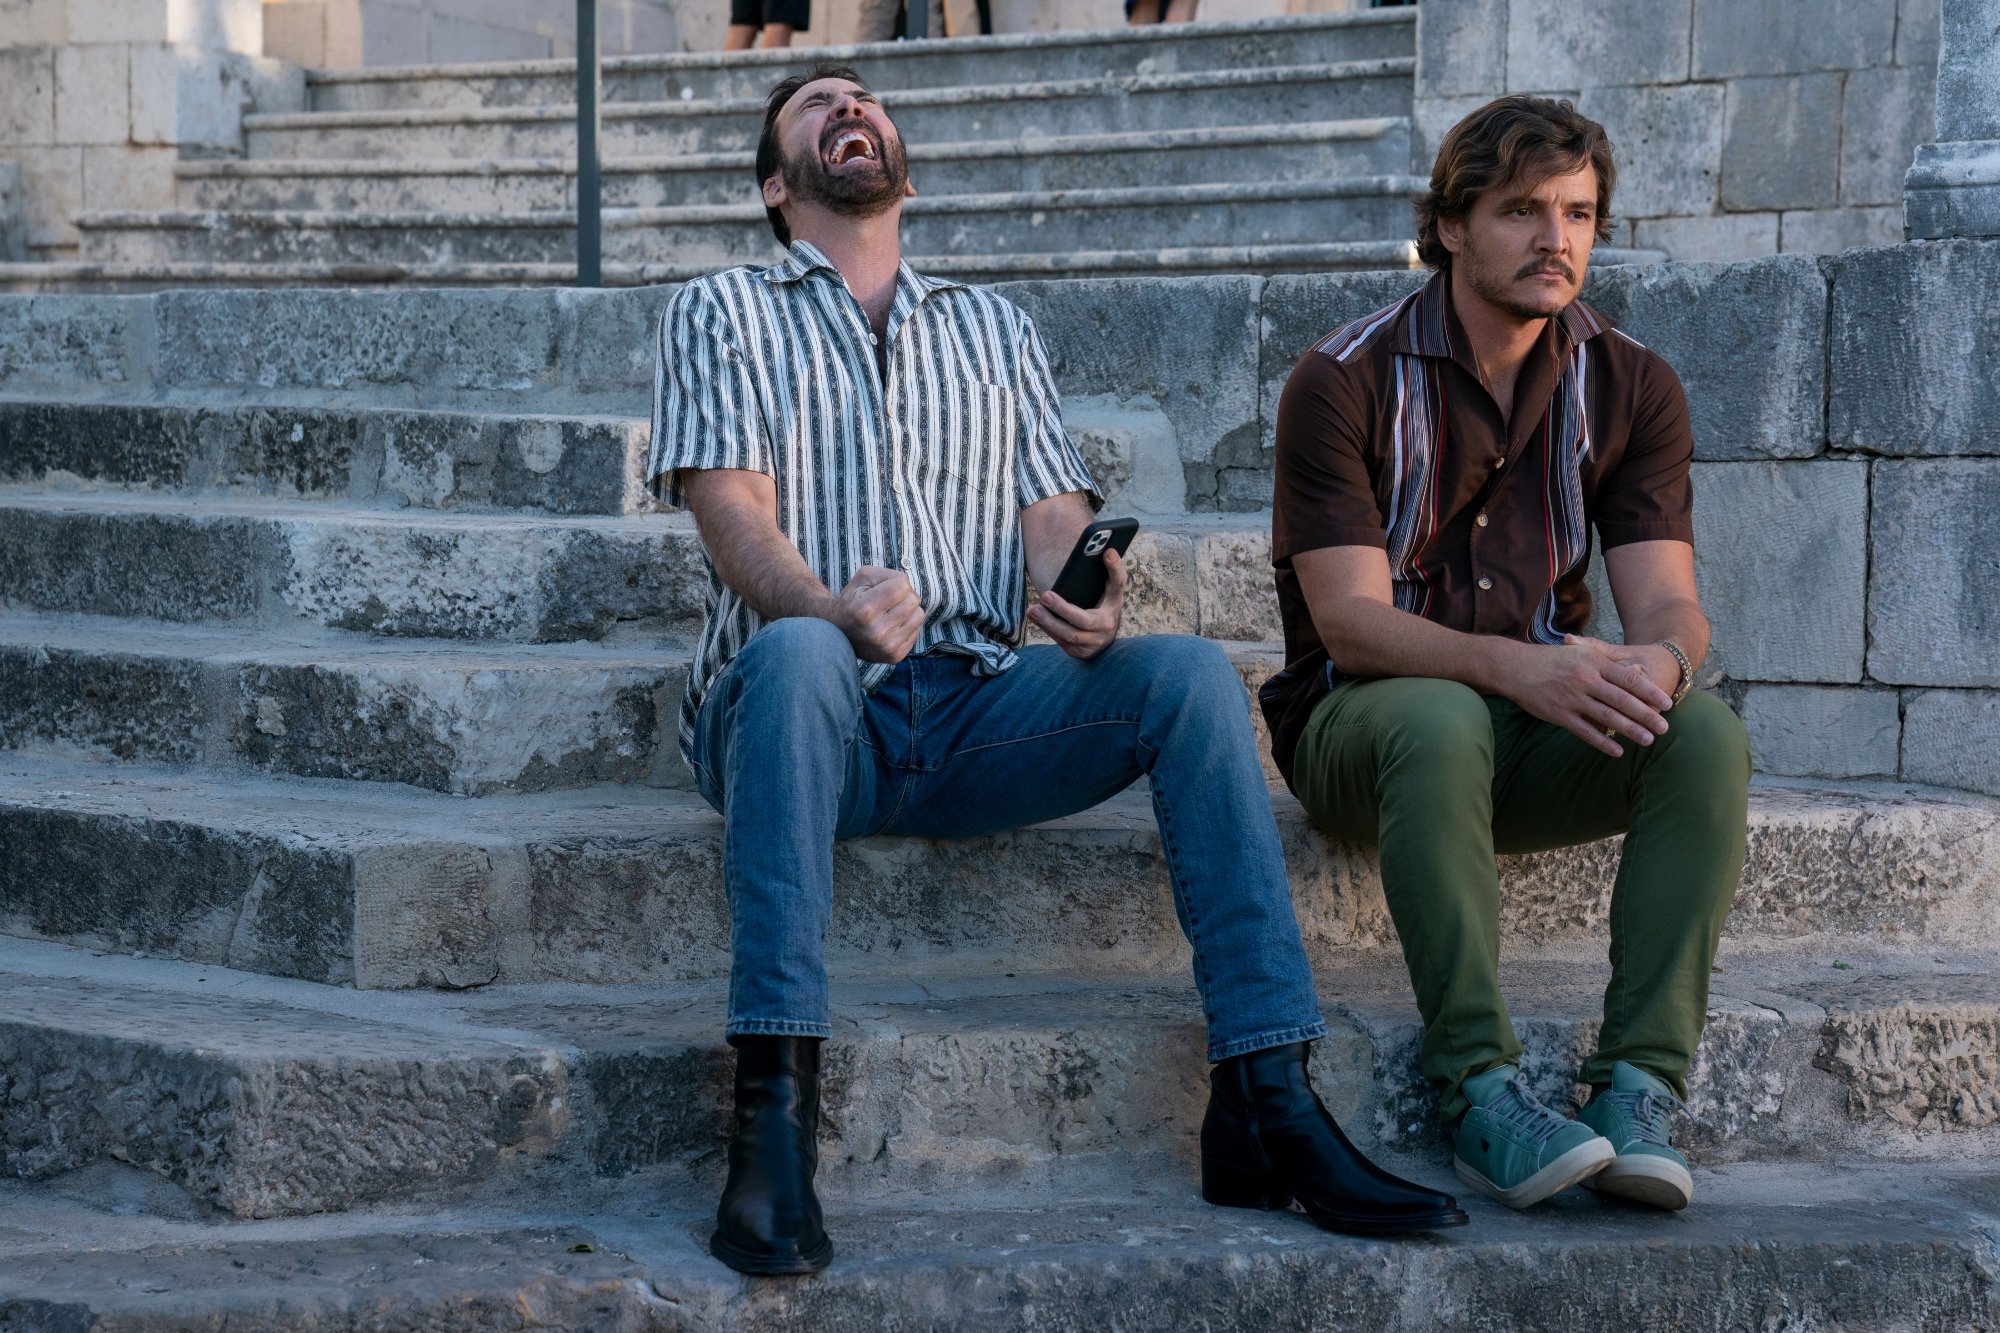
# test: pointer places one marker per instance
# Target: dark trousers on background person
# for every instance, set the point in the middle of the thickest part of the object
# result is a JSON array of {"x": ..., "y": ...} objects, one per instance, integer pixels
[{"x": 1440, "y": 778}]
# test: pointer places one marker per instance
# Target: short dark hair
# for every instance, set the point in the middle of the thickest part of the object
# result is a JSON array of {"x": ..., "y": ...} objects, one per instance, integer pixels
[
  {"x": 769, "y": 156},
  {"x": 1517, "y": 140}
]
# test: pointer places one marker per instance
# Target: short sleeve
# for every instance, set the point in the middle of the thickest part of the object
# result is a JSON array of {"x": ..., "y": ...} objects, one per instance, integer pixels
[
  {"x": 1323, "y": 493},
  {"x": 705, "y": 406},
  {"x": 1647, "y": 495},
  {"x": 1046, "y": 459}
]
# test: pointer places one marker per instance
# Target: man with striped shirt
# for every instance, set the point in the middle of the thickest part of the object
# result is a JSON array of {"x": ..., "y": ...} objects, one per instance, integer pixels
[
  {"x": 1440, "y": 464},
  {"x": 877, "y": 462}
]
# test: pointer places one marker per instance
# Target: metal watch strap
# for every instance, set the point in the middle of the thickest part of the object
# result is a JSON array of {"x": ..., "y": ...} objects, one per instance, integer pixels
[{"x": 1687, "y": 668}]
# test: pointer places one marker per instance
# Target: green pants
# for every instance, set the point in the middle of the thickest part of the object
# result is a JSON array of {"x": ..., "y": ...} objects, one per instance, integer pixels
[{"x": 1439, "y": 778}]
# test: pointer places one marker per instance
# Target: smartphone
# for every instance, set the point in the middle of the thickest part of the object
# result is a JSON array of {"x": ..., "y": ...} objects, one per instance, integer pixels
[{"x": 1083, "y": 576}]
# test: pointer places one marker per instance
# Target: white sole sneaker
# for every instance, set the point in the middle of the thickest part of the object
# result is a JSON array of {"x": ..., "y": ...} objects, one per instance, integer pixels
[
  {"x": 1579, "y": 1163},
  {"x": 1648, "y": 1179}
]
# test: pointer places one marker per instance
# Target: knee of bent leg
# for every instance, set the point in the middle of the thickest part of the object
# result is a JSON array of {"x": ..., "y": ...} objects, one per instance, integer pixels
[
  {"x": 799, "y": 653},
  {"x": 1184, "y": 667},
  {"x": 1704, "y": 735},
  {"x": 1434, "y": 721}
]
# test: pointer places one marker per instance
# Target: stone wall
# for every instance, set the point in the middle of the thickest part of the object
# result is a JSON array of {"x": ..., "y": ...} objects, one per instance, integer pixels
[
  {"x": 1743, "y": 127},
  {"x": 1847, "y": 452},
  {"x": 98, "y": 98},
  {"x": 341, "y": 34}
]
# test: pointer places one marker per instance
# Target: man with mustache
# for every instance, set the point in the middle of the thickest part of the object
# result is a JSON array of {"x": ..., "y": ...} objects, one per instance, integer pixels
[
  {"x": 1440, "y": 464},
  {"x": 876, "y": 460}
]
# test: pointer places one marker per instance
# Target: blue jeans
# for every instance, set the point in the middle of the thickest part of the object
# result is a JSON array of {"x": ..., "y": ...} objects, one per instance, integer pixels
[{"x": 795, "y": 756}]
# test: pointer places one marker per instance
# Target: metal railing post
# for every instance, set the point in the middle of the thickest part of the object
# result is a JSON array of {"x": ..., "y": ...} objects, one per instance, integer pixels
[
  {"x": 917, "y": 20},
  {"x": 589, "y": 173}
]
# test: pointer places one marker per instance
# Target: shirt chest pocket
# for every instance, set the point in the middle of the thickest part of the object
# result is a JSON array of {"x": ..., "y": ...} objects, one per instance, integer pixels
[{"x": 972, "y": 452}]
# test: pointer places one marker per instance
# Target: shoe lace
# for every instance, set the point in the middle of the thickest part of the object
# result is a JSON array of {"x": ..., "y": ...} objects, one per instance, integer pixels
[
  {"x": 1518, "y": 1106},
  {"x": 1649, "y": 1111}
]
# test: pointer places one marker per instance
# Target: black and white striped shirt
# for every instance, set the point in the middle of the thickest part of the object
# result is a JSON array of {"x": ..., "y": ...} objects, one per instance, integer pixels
[{"x": 925, "y": 469}]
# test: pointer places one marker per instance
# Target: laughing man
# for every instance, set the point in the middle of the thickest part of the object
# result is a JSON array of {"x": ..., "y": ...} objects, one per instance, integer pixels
[
  {"x": 1440, "y": 466},
  {"x": 877, "y": 462}
]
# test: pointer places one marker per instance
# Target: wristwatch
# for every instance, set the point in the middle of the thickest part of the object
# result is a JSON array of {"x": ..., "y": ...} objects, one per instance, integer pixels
[{"x": 1686, "y": 682}]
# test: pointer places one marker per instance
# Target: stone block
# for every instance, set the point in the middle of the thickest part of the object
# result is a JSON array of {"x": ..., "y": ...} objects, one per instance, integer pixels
[
  {"x": 52, "y": 192},
  {"x": 609, "y": 340},
  {"x": 91, "y": 95},
  {"x": 1918, "y": 1067},
  {"x": 1830, "y": 231},
  {"x": 402, "y": 346},
  {"x": 217, "y": 1097},
  {"x": 214, "y": 25},
  {"x": 391, "y": 32},
  {"x": 458, "y": 39},
  {"x": 1748, "y": 341},
  {"x": 1187, "y": 347},
  {"x": 1952, "y": 738},
  {"x": 56, "y": 699},
  {"x": 1885, "y": 115},
  {"x": 1934, "y": 587},
  {"x": 1133, "y": 452},
  {"x": 1916, "y": 334},
  {"x": 34, "y": 23},
  {"x": 1737, "y": 37},
  {"x": 1669, "y": 142},
  {"x": 1968, "y": 52},
  {"x": 27, "y": 96},
  {"x": 189, "y": 97},
  {"x": 1953, "y": 189},
  {"x": 1299, "y": 310},
  {"x": 1917, "y": 26},
  {"x": 1781, "y": 142},
  {"x": 295, "y": 31},
  {"x": 1431, "y": 118},
  {"x": 1781, "y": 558},
  {"x": 127, "y": 177},
  {"x": 261, "y": 901},
  {"x": 1557, "y": 44},
  {"x": 69, "y": 342},
  {"x": 1161, "y": 596},
  {"x": 1810, "y": 731},
  {"x": 1461, "y": 48},
  {"x": 13, "y": 243},
  {"x": 1713, "y": 239},
  {"x": 1233, "y": 580}
]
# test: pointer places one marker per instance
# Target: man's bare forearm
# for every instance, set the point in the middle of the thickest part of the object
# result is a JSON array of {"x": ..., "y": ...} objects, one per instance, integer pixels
[
  {"x": 1679, "y": 620},
  {"x": 1368, "y": 638},
  {"x": 749, "y": 552}
]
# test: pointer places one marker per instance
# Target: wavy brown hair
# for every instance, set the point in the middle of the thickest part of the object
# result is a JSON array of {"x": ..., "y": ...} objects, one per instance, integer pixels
[{"x": 1513, "y": 143}]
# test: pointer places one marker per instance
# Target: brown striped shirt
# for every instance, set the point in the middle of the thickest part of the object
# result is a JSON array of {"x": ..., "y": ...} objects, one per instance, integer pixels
[{"x": 1387, "y": 437}]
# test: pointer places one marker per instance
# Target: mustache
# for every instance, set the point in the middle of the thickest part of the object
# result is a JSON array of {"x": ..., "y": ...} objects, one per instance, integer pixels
[{"x": 1547, "y": 266}]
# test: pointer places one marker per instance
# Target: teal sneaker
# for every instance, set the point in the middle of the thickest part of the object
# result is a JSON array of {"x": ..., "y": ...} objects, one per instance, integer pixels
[
  {"x": 1518, "y": 1150},
  {"x": 1633, "y": 1113}
]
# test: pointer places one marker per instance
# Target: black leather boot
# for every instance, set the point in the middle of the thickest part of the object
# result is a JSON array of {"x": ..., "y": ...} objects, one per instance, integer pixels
[
  {"x": 769, "y": 1219},
  {"x": 1267, "y": 1140}
]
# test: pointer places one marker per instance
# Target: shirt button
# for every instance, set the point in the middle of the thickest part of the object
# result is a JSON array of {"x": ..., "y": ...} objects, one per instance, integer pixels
[
  {"x": 1486, "y": 585},
  {"x": 1481, "y": 520},
  {"x": 905, "y": 561}
]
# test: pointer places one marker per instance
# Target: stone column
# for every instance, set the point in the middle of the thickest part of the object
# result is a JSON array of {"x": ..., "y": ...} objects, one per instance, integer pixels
[{"x": 1953, "y": 188}]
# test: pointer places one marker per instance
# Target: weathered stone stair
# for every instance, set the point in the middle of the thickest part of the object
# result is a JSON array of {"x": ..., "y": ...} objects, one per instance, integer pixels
[{"x": 358, "y": 914}]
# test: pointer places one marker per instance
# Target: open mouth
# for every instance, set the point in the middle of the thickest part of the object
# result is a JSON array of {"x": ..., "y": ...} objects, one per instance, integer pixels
[{"x": 850, "y": 145}]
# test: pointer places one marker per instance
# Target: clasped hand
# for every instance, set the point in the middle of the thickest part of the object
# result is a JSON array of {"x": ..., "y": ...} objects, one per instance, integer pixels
[
  {"x": 1595, "y": 690},
  {"x": 880, "y": 614}
]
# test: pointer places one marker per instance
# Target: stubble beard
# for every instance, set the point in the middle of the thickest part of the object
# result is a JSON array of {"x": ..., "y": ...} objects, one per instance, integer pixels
[
  {"x": 1483, "y": 277},
  {"x": 859, "y": 195}
]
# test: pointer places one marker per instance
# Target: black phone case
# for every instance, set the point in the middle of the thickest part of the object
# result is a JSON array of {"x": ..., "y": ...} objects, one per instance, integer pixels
[{"x": 1082, "y": 580}]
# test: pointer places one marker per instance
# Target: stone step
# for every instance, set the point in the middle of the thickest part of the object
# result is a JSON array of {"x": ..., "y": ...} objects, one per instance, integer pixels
[
  {"x": 528, "y": 579},
  {"x": 264, "y": 1098},
  {"x": 715, "y": 236},
  {"x": 1186, "y": 155},
  {"x": 1011, "y": 58},
  {"x": 575, "y": 463},
  {"x": 388, "y": 887},
  {"x": 1853, "y": 1247},
  {"x": 1174, "y": 262},
  {"x": 1346, "y": 90},
  {"x": 467, "y": 718},
  {"x": 281, "y": 564}
]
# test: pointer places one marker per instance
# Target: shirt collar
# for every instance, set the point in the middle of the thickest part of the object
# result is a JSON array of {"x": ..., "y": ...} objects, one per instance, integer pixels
[
  {"x": 803, "y": 258},
  {"x": 1430, "y": 327}
]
